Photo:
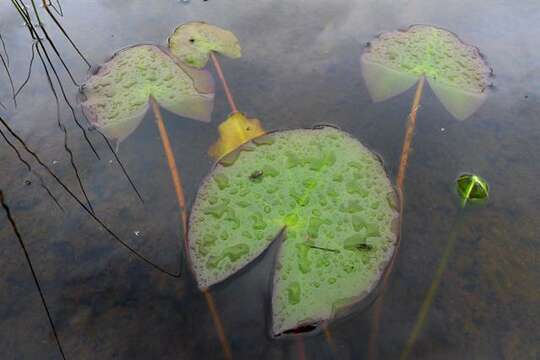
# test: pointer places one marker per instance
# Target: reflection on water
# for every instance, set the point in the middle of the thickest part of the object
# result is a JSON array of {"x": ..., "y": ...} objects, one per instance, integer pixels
[{"x": 300, "y": 66}]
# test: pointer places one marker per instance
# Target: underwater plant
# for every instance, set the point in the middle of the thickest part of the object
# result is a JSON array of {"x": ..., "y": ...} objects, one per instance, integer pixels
[
  {"x": 17, "y": 234},
  {"x": 43, "y": 45},
  {"x": 117, "y": 97},
  {"x": 457, "y": 73},
  {"x": 326, "y": 194},
  {"x": 472, "y": 190}
]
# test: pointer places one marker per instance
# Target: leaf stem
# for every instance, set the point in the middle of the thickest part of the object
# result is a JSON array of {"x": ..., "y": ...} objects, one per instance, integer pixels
[
  {"x": 218, "y": 324},
  {"x": 228, "y": 93},
  {"x": 421, "y": 317},
  {"x": 409, "y": 133},
  {"x": 171, "y": 162}
]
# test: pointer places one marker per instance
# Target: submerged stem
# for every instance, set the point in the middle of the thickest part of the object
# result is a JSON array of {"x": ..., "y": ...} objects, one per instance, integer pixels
[
  {"x": 34, "y": 276},
  {"x": 409, "y": 133},
  {"x": 218, "y": 324},
  {"x": 430, "y": 295},
  {"x": 171, "y": 162},
  {"x": 175, "y": 175}
]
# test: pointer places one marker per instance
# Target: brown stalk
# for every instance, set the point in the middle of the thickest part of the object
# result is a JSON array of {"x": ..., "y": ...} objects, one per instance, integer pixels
[
  {"x": 300, "y": 347},
  {"x": 171, "y": 162},
  {"x": 218, "y": 324},
  {"x": 228, "y": 93},
  {"x": 175, "y": 174},
  {"x": 409, "y": 133}
]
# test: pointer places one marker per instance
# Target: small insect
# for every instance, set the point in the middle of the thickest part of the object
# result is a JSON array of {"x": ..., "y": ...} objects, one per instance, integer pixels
[
  {"x": 256, "y": 175},
  {"x": 324, "y": 249},
  {"x": 363, "y": 247}
]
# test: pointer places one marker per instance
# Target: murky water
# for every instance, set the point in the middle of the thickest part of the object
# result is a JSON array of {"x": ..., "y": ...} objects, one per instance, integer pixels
[{"x": 300, "y": 66}]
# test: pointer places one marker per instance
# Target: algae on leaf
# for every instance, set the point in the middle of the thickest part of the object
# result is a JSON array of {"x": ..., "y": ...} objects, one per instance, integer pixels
[
  {"x": 457, "y": 72},
  {"x": 332, "y": 198},
  {"x": 116, "y": 97}
]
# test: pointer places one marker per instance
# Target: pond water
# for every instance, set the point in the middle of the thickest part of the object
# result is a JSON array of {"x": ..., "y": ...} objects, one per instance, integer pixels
[{"x": 300, "y": 66}]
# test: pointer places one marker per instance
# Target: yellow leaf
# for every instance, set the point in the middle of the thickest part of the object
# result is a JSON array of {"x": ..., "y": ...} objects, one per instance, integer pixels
[{"x": 233, "y": 132}]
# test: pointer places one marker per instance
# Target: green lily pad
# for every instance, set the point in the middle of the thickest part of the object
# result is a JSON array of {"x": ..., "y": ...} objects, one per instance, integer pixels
[
  {"x": 116, "y": 98},
  {"x": 192, "y": 43},
  {"x": 332, "y": 198},
  {"x": 457, "y": 72}
]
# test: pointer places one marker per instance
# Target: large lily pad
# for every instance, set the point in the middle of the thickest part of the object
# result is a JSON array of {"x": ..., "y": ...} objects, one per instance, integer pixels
[
  {"x": 457, "y": 72},
  {"x": 328, "y": 193},
  {"x": 116, "y": 97}
]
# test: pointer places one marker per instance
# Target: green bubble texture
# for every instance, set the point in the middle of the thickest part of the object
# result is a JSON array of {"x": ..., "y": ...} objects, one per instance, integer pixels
[
  {"x": 193, "y": 42},
  {"x": 436, "y": 53},
  {"x": 337, "y": 206},
  {"x": 116, "y": 97}
]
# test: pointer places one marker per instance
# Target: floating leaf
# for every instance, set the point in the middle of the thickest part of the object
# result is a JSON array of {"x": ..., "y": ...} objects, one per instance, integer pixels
[
  {"x": 233, "y": 132},
  {"x": 457, "y": 72},
  {"x": 472, "y": 188},
  {"x": 116, "y": 97},
  {"x": 192, "y": 43},
  {"x": 335, "y": 202}
]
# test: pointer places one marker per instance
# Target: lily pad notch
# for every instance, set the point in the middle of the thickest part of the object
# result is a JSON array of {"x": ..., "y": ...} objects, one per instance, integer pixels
[{"x": 338, "y": 208}]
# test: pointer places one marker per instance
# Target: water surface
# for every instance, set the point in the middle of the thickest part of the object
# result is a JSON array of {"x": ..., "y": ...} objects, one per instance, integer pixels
[{"x": 300, "y": 66}]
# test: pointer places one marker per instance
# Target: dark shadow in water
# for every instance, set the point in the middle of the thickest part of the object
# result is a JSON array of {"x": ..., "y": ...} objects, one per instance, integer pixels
[
  {"x": 33, "y": 33},
  {"x": 4, "y": 48},
  {"x": 64, "y": 130},
  {"x": 60, "y": 27},
  {"x": 29, "y": 167},
  {"x": 33, "y": 48},
  {"x": 57, "y": 8},
  {"x": 121, "y": 165},
  {"x": 25, "y": 15},
  {"x": 5, "y": 64},
  {"x": 34, "y": 276},
  {"x": 51, "y": 43},
  {"x": 87, "y": 209},
  {"x": 43, "y": 55}
]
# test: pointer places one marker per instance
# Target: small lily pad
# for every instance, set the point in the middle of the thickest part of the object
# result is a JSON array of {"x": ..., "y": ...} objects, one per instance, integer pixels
[
  {"x": 457, "y": 72},
  {"x": 328, "y": 192},
  {"x": 192, "y": 43},
  {"x": 116, "y": 97}
]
